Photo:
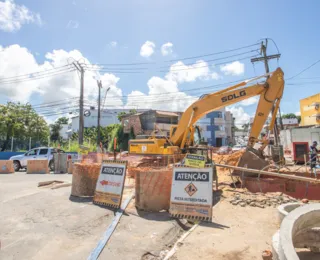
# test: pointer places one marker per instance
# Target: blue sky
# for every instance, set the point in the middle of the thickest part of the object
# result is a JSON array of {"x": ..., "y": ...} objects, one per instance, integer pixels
[{"x": 193, "y": 27}]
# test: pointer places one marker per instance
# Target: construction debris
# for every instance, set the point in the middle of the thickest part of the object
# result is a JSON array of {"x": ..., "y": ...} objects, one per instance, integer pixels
[
  {"x": 261, "y": 200},
  {"x": 54, "y": 184},
  {"x": 46, "y": 183}
]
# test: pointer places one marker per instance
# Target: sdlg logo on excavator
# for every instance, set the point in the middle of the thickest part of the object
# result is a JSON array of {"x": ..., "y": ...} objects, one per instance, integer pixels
[{"x": 233, "y": 96}]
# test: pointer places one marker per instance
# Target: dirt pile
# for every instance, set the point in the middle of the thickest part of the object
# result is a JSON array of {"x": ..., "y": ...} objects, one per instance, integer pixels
[{"x": 229, "y": 159}]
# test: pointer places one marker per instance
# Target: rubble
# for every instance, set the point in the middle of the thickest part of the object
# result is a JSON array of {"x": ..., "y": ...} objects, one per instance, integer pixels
[{"x": 260, "y": 200}]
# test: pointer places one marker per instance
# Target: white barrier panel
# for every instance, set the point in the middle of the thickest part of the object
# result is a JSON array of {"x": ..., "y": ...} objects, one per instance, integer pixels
[
  {"x": 110, "y": 183},
  {"x": 191, "y": 193}
]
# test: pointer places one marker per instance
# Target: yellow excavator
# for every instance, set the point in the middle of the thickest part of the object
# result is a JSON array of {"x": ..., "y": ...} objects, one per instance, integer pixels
[{"x": 185, "y": 136}]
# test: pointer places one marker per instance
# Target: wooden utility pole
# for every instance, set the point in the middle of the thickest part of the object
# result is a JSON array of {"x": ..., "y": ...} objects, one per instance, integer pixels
[
  {"x": 81, "y": 120},
  {"x": 265, "y": 58},
  {"x": 99, "y": 111}
]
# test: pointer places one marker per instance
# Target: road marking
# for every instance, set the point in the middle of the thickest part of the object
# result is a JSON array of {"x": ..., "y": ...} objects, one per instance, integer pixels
[
  {"x": 11, "y": 244},
  {"x": 21, "y": 196}
]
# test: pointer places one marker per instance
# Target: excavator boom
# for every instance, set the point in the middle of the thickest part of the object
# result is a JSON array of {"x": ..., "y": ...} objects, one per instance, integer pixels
[{"x": 270, "y": 93}]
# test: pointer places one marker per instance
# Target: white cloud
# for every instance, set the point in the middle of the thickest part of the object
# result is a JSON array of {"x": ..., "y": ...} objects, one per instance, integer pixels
[
  {"x": 298, "y": 113},
  {"x": 13, "y": 16},
  {"x": 249, "y": 101},
  {"x": 180, "y": 72},
  {"x": 147, "y": 49},
  {"x": 113, "y": 44},
  {"x": 215, "y": 75},
  {"x": 163, "y": 94},
  {"x": 72, "y": 24},
  {"x": 166, "y": 49},
  {"x": 241, "y": 117},
  {"x": 235, "y": 68},
  {"x": 56, "y": 87}
]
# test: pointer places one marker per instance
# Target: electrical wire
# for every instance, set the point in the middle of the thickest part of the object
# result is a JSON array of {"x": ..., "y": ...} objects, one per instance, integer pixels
[
  {"x": 52, "y": 102},
  {"x": 303, "y": 70},
  {"x": 37, "y": 78},
  {"x": 222, "y": 58},
  {"x": 32, "y": 73},
  {"x": 212, "y": 54}
]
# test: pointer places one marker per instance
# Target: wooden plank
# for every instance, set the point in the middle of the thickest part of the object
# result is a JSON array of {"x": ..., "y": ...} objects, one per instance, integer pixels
[
  {"x": 179, "y": 241},
  {"x": 102, "y": 243},
  {"x": 273, "y": 174}
]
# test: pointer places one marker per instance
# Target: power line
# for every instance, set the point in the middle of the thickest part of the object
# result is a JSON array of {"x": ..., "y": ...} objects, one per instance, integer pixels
[
  {"x": 37, "y": 78},
  {"x": 216, "y": 64},
  {"x": 304, "y": 70},
  {"x": 222, "y": 58},
  {"x": 212, "y": 54},
  {"x": 174, "y": 70},
  {"x": 32, "y": 73},
  {"x": 57, "y": 101}
]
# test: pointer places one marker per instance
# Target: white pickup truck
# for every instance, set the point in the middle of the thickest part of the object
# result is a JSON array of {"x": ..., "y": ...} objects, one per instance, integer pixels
[{"x": 40, "y": 153}]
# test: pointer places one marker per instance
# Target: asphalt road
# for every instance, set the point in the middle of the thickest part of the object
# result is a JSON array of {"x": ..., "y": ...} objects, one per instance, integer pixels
[{"x": 44, "y": 223}]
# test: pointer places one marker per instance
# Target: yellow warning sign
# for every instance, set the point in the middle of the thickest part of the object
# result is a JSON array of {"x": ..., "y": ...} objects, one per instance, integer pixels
[{"x": 195, "y": 160}]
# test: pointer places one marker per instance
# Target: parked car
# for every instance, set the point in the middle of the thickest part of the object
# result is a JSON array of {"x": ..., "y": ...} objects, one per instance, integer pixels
[{"x": 40, "y": 153}]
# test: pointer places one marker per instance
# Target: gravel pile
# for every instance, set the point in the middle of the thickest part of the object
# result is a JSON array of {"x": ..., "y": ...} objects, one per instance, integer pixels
[{"x": 261, "y": 200}]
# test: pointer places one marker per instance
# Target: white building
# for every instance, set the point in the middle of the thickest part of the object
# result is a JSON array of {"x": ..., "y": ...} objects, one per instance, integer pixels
[
  {"x": 64, "y": 131},
  {"x": 108, "y": 117}
]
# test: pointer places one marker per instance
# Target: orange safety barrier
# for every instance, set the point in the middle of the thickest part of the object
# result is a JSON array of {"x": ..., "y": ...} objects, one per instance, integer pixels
[
  {"x": 6, "y": 166},
  {"x": 153, "y": 188},
  {"x": 37, "y": 166}
]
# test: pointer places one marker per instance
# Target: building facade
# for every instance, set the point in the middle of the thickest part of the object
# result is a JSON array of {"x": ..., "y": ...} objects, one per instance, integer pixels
[
  {"x": 108, "y": 117},
  {"x": 217, "y": 128},
  {"x": 310, "y": 110},
  {"x": 150, "y": 121}
]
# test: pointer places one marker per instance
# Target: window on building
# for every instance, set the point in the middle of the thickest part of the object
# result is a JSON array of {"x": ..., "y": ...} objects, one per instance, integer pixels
[
  {"x": 219, "y": 115},
  {"x": 221, "y": 128}
]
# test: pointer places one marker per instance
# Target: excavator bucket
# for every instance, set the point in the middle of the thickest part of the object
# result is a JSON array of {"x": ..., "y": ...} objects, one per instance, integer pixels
[
  {"x": 243, "y": 158},
  {"x": 250, "y": 159}
]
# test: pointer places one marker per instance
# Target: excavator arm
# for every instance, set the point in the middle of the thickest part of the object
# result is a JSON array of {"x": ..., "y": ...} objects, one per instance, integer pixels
[{"x": 270, "y": 95}]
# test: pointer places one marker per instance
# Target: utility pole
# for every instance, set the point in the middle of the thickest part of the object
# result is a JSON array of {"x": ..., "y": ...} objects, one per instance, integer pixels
[
  {"x": 99, "y": 111},
  {"x": 81, "y": 120},
  {"x": 265, "y": 58}
]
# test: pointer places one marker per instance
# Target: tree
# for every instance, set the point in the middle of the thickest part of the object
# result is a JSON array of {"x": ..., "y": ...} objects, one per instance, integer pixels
[
  {"x": 62, "y": 120},
  {"x": 290, "y": 115},
  {"x": 123, "y": 114},
  {"x": 299, "y": 119},
  {"x": 20, "y": 121},
  {"x": 56, "y": 127}
]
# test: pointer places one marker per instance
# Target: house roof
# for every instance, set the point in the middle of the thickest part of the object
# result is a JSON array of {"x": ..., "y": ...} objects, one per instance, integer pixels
[{"x": 166, "y": 113}]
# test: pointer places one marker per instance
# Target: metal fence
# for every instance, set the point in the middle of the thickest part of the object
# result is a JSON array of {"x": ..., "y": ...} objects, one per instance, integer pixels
[{"x": 21, "y": 144}]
